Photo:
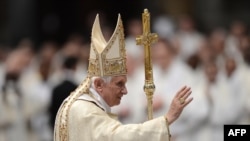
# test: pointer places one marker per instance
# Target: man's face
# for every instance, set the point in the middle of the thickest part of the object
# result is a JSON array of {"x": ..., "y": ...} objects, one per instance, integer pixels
[{"x": 113, "y": 91}]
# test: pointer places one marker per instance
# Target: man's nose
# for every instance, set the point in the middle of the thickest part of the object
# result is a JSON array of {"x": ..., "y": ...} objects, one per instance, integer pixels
[{"x": 124, "y": 90}]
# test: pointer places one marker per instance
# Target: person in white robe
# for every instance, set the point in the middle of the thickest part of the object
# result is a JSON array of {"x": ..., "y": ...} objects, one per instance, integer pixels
[
  {"x": 86, "y": 116},
  {"x": 220, "y": 100},
  {"x": 246, "y": 74},
  {"x": 171, "y": 73},
  {"x": 237, "y": 31},
  {"x": 37, "y": 87},
  {"x": 14, "y": 118},
  {"x": 236, "y": 81},
  {"x": 38, "y": 93},
  {"x": 187, "y": 38}
]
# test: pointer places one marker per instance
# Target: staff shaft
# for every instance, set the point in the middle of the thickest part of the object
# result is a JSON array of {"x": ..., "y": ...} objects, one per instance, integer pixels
[{"x": 146, "y": 39}]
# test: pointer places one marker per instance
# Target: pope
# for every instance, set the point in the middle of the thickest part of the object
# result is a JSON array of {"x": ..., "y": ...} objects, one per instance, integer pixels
[{"x": 85, "y": 115}]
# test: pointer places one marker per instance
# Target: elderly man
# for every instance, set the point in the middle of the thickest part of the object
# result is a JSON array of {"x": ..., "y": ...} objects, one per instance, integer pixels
[{"x": 86, "y": 114}]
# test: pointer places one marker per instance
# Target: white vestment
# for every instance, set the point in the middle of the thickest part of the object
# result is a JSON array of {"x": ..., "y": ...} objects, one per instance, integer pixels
[{"x": 88, "y": 120}]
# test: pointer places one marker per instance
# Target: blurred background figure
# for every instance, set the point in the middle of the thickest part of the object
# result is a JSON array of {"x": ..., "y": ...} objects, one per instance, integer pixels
[
  {"x": 64, "y": 88},
  {"x": 187, "y": 37},
  {"x": 133, "y": 30},
  {"x": 235, "y": 78},
  {"x": 169, "y": 74},
  {"x": 15, "y": 119},
  {"x": 237, "y": 31},
  {"x": 216, "y": 41},
  {"x": 37, "y": 86},
  {"x": 73, "y": 47},
  {"x": 164, "y": 26}
]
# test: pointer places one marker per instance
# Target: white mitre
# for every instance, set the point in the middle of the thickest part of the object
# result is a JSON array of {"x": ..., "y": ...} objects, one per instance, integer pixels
[{"x": 107, "y": 58}]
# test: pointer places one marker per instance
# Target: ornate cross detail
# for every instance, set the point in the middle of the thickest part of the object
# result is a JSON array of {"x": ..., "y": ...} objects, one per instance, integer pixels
[{"x": 146, "y": 39}]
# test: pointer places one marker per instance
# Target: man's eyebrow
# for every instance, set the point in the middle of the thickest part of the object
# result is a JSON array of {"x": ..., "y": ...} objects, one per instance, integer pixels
[{"x": 120, "y": 81}]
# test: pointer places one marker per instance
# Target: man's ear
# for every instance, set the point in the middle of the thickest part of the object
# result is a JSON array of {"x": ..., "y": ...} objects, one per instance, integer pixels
[{"x": 98, "y": 84}]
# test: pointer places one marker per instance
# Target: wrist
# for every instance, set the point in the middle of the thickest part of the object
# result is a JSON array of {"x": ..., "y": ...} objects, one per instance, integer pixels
[
  {"x": 167, "y": 125},
  {"x": 168, "y": 119}
]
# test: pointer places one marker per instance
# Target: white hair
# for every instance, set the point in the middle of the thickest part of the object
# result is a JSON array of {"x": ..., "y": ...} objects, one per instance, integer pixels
[{"x": 106, "y": 79}]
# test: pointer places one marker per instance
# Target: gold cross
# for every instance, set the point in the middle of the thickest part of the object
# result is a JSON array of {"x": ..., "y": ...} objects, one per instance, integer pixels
[{"x": 146, "y": 39}]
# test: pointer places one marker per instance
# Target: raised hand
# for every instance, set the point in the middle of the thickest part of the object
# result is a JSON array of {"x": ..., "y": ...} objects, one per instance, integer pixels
[{"x": 179, "y": 102}]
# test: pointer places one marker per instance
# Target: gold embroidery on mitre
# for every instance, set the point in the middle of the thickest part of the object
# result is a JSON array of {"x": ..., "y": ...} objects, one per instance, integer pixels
[{"x": 107, "y": 58}]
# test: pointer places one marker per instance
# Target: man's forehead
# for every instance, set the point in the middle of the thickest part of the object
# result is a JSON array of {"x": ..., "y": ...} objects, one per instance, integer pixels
[{"x": 120, "y": 78}]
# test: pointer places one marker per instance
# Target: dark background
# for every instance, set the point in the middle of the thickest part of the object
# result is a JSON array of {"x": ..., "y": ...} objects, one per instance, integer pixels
[{"x": 41, "y": 20}]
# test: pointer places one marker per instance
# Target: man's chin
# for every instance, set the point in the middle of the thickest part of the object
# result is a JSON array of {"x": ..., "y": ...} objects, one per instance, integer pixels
[{"x": 118, "y": 102}]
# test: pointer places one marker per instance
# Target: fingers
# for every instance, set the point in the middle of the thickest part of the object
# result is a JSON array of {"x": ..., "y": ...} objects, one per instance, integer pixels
[
  {"x": 180, "y": 91},
  {"x": 186, "y": 95},
  {"x": 188, "y": 101},
  {"x": 184, "y": 90},
  {"x": 183, "y": 95}
]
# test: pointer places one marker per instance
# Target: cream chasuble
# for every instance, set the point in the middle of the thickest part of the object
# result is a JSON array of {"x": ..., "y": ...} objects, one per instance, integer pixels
[{"x": 87, "y": 121}]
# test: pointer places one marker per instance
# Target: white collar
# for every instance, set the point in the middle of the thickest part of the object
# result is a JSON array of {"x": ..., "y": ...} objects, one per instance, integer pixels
[{"x": 100, "y": 100}]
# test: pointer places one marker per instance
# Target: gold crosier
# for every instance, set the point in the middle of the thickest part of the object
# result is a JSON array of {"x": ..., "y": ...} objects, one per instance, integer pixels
[{"x": 146, "y": 39}]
